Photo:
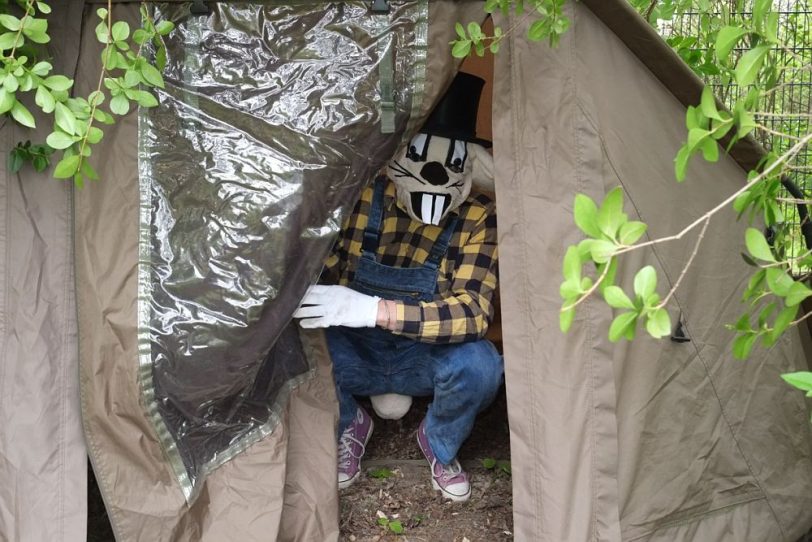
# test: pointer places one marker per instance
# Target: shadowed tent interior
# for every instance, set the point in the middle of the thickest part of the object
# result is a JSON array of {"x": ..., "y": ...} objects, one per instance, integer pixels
[{"x": 650, "y": 440}]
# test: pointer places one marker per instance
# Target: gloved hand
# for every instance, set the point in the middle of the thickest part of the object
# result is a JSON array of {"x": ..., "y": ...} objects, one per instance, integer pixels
[{"x": 325, "y": 306}]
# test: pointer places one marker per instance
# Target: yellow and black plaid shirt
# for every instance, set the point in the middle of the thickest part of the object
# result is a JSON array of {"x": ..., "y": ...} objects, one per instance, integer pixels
[{"x": 462, "y": 307}]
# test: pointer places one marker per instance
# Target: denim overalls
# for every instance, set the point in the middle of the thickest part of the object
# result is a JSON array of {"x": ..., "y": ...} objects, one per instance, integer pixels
[{"x": 463, "y": 377}]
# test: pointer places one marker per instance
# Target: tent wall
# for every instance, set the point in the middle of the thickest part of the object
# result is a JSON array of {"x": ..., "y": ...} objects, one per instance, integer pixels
[
  {"x": 650, "y": 440},
  {"x": 42, "y": 452},
  {"x": 283, "y": 487}
]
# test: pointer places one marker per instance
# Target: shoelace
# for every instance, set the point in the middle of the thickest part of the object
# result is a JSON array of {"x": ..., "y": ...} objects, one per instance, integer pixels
[
  {"x": 450, "y": 471},
  {"x": 345, "y": 454}
]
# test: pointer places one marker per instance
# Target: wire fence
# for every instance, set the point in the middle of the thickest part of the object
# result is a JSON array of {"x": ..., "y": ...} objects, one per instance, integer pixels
[{"x": 786, "y": 112}]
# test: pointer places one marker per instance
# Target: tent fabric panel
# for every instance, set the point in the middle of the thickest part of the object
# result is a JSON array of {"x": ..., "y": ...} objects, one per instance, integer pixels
[
  {"x": 735, "y": 430},
  {"x": 142, "y": 497},
  {"x": 43, "y": 463},
  {"x": 746, "y": 521},
  {"x": 560, "y": 387},
  {"x": 647, "y": 45},
  {"x": 274, "y": 488}
]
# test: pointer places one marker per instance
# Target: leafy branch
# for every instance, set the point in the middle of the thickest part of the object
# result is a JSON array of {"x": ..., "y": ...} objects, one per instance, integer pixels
[
  {"x": 550, "y": 23},
  {"x": 127, "y": 77}
]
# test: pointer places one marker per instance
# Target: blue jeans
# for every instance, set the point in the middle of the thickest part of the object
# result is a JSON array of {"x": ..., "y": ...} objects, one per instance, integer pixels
[{"x": 464, "y": 379}]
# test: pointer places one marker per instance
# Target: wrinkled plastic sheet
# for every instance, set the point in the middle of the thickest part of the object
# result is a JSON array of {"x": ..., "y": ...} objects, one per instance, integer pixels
[{"x": 267, "y": 130}]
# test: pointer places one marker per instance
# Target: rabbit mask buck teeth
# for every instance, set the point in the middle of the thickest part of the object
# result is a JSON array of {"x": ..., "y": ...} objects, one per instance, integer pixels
[{"x": 433, "y": 176}]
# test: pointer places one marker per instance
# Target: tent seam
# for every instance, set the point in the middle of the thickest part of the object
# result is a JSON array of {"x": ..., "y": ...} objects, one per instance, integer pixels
[
  {"x": 588, "y": 330},
  {"x": 697, "y": 350},
  {"x": 527, "y": 363}
]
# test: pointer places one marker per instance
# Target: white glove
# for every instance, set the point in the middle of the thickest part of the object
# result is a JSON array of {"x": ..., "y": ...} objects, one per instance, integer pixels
[{"x": 325, "y": 306}]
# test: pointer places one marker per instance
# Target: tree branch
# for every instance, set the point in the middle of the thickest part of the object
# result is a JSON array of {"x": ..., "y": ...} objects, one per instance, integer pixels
[{"x": 687, "y": 264}]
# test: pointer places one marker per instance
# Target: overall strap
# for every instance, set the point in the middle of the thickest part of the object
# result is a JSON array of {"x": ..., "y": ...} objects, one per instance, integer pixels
[
  {"x": 441, "y": 245},
  {"x": 372, "y": 233}
]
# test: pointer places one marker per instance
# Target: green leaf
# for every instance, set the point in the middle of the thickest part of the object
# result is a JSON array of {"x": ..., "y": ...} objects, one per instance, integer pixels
[
  {"x": 460, "y": 30},
  {"x": 103, "y": 117},
  {"x": 659, "y": 324},
  {"x": 631, "y": 232},
  {"x": 801, "y": 380},
  {"x": 743, "y": 345},
  {"x": 145, "y": 99},
  {"x": 16, "y": 160},
  {"x": 41, "y": 68},
  {"x": 609, "y": 278},
  {"x": 747, "y": 123},
  {"x": 94, "y": 135},
  {"x": 95, "y": 98},
  {"x": 396, "y": 526},
  {"x": 797, "y": 293},
  {"x": 617, "y": 298},
  {"x": 489, "y": 463},
  {"x": 10, "y": 21},
  {"x": 22, "y": 115},
  {"x": 710, "y": 149},
  {"x": 681, "y": 163},
  {"x": 102, "y": 13},
  {"x": 120, "y": 31},
  {"x": 67, "y": 167},
  {"x": 566, "y": 317},
  {"x": 572, "y": 264},
  {"x": 152, "y": 75},
  {"x": 160, "y": 57},
  {"x": 140, "y": 36},
  {"x": 381, "y": 473},
  {"x": 132, "y": 78},
  {"x": 602, "y": 251},
  {"x": 461, "y": 48},
  {"x": 43, "y": 7},
  {"x": 164, "y": 27},
  {"x": 10, "y": 40},
  {"x": 586, "y": 215},
  {"x": 65, "y": 118},
  {"x": 645, "y": 282},
  {"x": 771, "y": 28},
  {"x": 7, "y": 100},
  {"x": 726, "y": 40},
  {"x": 749, "y": 65},
  {"x": 538, "y": 30},
  {"x": 120, "y": 105},
  {"x": 10, "y": 83},
  {"x": 778, "y": 281},
  {"x": 57, "y": 82},
  {"x": 783, "y": 320},
  {"x": 760, "y": 10},
  {"x": 621, "y": 324},
  {"x": 610, "y": 215},
  {"x": 44, "y": 100},
  {"x": 708, "y": 104},
  {"x": 60, "y": 140},
  {"x": 757, "y": 245}
]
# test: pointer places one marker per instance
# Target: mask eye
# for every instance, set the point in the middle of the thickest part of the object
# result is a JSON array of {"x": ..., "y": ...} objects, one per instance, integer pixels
[
  {"x": 418, "y": 148},
  {"x": 457, "y": 153}
]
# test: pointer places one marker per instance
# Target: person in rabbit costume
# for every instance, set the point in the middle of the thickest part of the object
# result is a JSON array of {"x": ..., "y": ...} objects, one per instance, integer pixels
[{"x": 407, "y": 294}]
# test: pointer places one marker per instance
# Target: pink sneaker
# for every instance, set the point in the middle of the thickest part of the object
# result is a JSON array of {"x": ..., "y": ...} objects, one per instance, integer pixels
[
  {"x": 449, "y": 479},
  {"x": 351, "y": 448}
]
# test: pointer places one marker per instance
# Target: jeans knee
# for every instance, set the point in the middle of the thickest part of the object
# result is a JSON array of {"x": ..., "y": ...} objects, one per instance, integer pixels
[{"x": 474, "y": 366}]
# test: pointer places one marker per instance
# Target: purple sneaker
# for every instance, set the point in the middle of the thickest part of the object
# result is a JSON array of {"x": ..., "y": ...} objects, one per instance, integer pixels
[
  {"x": 351, "y": 448},
  {"x": 450, "y": 479}
]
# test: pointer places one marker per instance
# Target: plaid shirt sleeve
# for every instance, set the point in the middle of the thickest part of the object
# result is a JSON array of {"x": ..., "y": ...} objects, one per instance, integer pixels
[{"x": 464, "y": 312}]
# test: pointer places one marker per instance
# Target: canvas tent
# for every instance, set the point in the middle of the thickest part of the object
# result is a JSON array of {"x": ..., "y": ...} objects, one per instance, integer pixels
[{"x": 206, "y": 418}]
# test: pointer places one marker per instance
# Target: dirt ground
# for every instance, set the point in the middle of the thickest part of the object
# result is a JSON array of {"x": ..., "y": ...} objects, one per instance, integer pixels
[{"x": 395, "y": 492}]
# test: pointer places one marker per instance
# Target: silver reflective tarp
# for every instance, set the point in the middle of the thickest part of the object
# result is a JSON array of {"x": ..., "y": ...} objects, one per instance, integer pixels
[{"x": 269, "y": 126}]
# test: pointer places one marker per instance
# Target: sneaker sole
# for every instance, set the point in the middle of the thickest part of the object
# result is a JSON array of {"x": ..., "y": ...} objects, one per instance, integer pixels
[
  {"x": 436, "y": 486},
  {"x": 347, "y": 483}
]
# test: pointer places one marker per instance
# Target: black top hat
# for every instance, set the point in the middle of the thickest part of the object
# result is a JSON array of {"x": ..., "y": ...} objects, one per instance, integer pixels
[{"x": 455, "y": 115}]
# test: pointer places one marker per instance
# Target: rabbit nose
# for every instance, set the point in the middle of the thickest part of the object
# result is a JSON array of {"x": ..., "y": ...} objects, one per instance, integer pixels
[{"x": 435, "y": 173}]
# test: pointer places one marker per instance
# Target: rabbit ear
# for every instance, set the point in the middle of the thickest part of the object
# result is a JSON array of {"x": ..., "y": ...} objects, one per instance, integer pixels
[{"x": 481, "y": 167}]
